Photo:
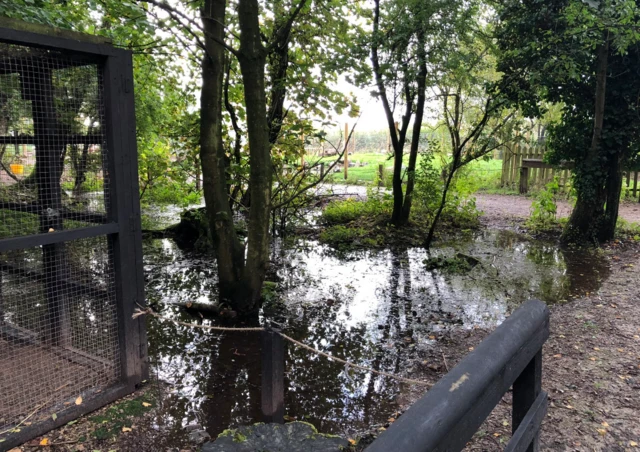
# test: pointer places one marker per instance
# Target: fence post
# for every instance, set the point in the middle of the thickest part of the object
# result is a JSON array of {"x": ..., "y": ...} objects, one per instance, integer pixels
[
  {"x": 526, "y": 389},
  {"x": 322, "y": 170},
  {"x": 380, "y": 175},
  {"x": 346, "y": 151},
  {"x": 524, "y": 180},
  {"x": 272, "y": 377}
]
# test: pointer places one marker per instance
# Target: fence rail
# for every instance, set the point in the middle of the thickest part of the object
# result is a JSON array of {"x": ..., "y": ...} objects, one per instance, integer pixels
[
  {"x": 512, "y": 161},
  {"x": 536, "y": 176},
  {"x": 450, "y": 413}
]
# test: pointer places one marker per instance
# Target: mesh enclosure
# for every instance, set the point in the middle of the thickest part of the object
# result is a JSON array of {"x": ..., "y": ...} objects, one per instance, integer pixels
[
  {"x": 52, "y": 151},
  {"x": 59, "y": 333}
]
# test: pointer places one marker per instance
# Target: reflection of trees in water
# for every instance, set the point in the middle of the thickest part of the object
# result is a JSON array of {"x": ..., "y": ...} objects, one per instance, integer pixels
[{"x": 218, "y": 376}]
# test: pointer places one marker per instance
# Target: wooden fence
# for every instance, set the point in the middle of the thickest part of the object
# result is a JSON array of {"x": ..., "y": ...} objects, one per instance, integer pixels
[
  {"x": 512, "y": 161},
  {"x": 449, "y": 414},
  {"x": 538, "y": 175}
]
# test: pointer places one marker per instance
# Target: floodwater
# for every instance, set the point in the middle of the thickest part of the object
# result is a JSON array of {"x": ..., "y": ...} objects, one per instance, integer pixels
[{"x": 359, "y": 306}]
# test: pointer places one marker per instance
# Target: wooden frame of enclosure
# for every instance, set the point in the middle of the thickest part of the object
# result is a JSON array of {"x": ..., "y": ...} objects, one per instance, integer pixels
[{"x": 121, "y": 224}]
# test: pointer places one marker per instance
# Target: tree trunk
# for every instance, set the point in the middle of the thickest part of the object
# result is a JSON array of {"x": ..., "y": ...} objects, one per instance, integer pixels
[
  {"x": 417, "y": 126},
  {"x": 252, "y": 59},
  {"x": 614, "y": 188},
  {"x": 228, "y": 249},
  {"x": 588, "y": 215}
]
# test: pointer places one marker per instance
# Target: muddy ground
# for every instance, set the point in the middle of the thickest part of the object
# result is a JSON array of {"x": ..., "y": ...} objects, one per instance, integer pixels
[
  {"x": 591, "y": 370},
  {"x": 505, "y": 210}
]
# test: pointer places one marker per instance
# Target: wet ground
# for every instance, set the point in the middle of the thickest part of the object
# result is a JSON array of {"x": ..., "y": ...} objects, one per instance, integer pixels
[
  {"x": 378, "y": 309},
  {"x": 384, "y": 310}
]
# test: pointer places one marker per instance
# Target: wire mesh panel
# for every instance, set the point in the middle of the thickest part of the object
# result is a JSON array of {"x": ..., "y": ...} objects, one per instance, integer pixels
[
  {"x": 52, "y": 151},
  {"x": 69, "y": 244}
]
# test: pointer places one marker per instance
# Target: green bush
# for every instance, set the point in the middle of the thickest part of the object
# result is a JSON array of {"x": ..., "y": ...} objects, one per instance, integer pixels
[
  {"x": 545, "y": 207},
  {"x": 349, "y": 210}
]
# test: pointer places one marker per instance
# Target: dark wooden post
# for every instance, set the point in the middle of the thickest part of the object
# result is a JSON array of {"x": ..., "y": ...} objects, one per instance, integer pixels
[
  {"x": 321, "y": 170},
  {"x": 526, "y": 390},
  {"x": 380, "y": 175},
  {"x": 272, "y": 377},
  {"x": 37, "y": 87},
  {"x": 524, "y": 180}
]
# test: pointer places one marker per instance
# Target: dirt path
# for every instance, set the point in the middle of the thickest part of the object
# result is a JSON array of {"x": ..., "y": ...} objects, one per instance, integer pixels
[
  {"x": 591, "y": 369},
  {"x": 504, "y": 210}
]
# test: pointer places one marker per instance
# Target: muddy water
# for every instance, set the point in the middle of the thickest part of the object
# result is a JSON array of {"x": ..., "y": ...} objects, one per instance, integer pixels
[{"x": 365, "y": 307}]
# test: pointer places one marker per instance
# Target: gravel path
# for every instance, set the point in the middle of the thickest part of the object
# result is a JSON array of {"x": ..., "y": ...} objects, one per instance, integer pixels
[{"x": 502, "y": 210}]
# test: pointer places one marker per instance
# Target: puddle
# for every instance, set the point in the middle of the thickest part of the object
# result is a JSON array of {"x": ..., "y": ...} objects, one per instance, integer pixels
[{"x": 359, "y": 306}]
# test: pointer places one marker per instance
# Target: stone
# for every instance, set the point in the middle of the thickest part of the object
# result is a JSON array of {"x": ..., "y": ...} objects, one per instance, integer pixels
[
  {"x": 292, "y": 437},
  {"x": 199, "y": 437}
]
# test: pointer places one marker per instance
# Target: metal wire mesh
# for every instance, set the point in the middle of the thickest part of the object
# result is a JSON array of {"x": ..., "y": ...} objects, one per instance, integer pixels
[
  {"x": 52, "y": 156},
  {"x": 58, "y": 320}
]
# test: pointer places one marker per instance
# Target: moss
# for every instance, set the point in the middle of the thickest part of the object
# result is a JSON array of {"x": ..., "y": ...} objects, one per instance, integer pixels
[
  {"x": 121, "y": 414},
  {"x": 51, "y": 31}
]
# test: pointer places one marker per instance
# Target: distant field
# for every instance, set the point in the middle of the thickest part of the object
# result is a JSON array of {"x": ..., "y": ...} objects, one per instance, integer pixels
[{"x": 483, "y": 174}]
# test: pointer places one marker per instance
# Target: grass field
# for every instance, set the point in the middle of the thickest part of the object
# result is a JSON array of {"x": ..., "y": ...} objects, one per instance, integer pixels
[{"x": 483, "y": 174}]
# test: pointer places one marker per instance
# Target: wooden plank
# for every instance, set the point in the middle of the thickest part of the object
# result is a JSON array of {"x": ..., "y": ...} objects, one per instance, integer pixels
[
  {"x": 628, "y": 174},
  {"x": 529, "y": 428},
  {"x": 524, "y": 180},
  {"x": 635, "y": 184},
  {"x": 91, "y": 402},
  {"x": 273, "y": 357},
  {"x": 346, "y": 151},
  {"x": 53, "y": 39},
  {"x": 448, "y": 415},
  {"x": 60, "y": 139},
  {"x": 526, "y": 390},
  {"x": 124, "y": 209},
  {"x": 66, "y": 214},
  {"x": 32, "y": 241}
]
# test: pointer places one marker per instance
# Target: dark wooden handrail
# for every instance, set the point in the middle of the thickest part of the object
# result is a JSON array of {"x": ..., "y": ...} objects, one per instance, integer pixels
[{"x": 448, "y": 415}]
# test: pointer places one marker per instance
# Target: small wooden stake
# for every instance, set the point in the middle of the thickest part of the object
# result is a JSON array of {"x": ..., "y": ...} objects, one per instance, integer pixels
[
  {"x": 346, "y": 151},
  {"x": 272, "y": 377}
]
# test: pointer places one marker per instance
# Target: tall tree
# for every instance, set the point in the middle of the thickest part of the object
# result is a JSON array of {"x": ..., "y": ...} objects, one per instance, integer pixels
[
  {"x": 269, "y": 44},
  {"x": 403, "y": 54},
  {"x": 581, "y": 55}
]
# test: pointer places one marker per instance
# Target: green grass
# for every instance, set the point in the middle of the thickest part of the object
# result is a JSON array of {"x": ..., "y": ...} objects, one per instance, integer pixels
[{"x": 485, "y": 173}]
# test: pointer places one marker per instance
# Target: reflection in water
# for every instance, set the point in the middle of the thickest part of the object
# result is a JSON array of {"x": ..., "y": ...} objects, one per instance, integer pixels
[{"x": 366, "y": 307}]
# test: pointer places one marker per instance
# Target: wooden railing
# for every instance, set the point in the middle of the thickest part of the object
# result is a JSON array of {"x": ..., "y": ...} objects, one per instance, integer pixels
[{"x": 448, "y": 415}]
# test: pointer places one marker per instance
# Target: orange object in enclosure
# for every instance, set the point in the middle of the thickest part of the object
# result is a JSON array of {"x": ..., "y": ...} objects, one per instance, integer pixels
[{"x": 17, "y": 169}]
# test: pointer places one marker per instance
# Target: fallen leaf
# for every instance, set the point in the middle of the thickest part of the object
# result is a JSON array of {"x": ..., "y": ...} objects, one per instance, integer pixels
[
  {"x": 562, "y": 336},
  {"x": 352, "y": 441},
  {"x": 390, "y": 420},
  {"x": 604, "y": 424},
  {"x": 592, "y": 358},
  {"x": 633, "y": 444},
  {"x": 126, "y": 429},
  {"x": 79, "y": 400},
  {"x": 432, "y": 337},
  {"x": 621, "y": 350},
  {"x": 496, "y": 434},
  {"x": 146, "y": 404},
  {"x": 557, "y": 356},
  {"x": 505, "y": 423},
  {"x": 51, "y": 230},
  {"x": 54, "y": 416},
  {"x": 44, "y": 442},
  {"x": 569, "y": 407},
  {"x": 596, "y": 348},
  {"x": 602, "y": 431}
]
